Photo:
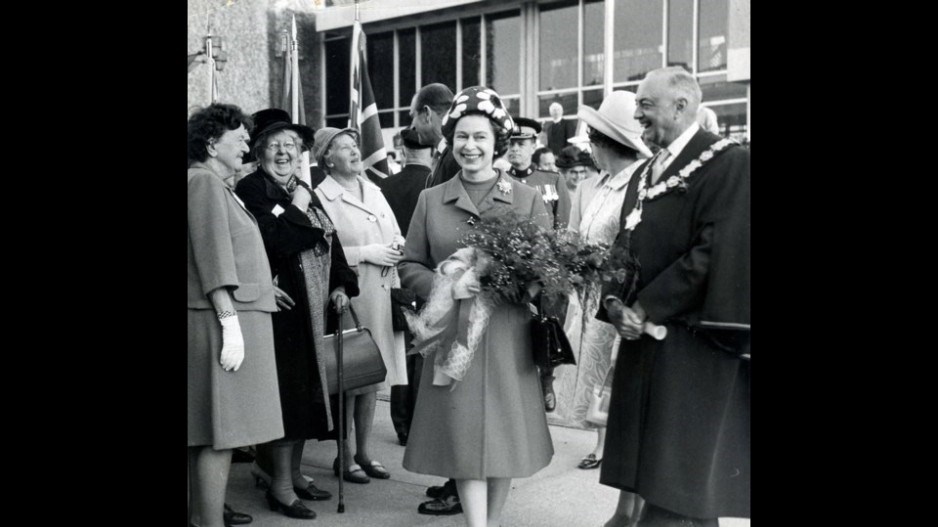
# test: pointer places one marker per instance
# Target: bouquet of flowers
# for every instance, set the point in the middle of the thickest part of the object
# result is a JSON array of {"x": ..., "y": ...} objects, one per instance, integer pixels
[
  {"x": 520, "y": 252},
  {"x": 502, "y": 257}
]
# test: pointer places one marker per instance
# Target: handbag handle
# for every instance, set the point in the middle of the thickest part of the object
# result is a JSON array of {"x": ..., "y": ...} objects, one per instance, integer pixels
[{"x": 358, "y": 325}]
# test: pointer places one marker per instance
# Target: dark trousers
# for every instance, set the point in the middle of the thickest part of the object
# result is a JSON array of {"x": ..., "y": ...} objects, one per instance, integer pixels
[{"x": 404, "y": 398}]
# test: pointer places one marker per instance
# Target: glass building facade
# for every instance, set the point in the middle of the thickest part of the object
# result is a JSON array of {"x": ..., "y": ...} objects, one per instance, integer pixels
[{"x": 534, "y": 53}]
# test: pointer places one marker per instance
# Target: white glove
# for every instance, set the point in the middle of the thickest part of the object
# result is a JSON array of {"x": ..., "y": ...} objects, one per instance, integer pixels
[
  {"x": 380, "y": 254},
  {"x": 232, "y": 344}
]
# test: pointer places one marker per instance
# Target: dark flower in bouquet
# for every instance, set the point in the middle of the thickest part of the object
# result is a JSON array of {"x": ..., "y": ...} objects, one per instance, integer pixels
[{"x": 522, "y": 252}]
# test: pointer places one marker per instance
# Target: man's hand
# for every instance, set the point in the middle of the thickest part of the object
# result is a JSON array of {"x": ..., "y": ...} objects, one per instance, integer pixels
[{"x": 626, "y": 321}]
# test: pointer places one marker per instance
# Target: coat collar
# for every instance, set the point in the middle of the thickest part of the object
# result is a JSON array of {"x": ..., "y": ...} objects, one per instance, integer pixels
[
  {"x": 332, "y": 191},
  {"x": 453, "y": 191}
]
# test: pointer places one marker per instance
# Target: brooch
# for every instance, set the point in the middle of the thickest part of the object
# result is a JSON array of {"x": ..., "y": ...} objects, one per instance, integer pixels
[
  {"x": 471, "y": 220},
  {"x": 503, "y": 186}
]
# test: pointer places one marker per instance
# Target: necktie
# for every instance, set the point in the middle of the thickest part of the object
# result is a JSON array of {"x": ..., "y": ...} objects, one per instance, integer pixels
[{"x": 658, "y": 166}]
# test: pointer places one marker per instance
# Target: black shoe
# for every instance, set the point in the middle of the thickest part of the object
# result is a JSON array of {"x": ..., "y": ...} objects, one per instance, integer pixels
[
  {"x": 441, "y": 507},
  {"x": 294, "y": 510},
  {"x": 311, "y": 492},
  {"x": 402, "y": 438},
  {"x": 236, "y": 518},
  {"x": 436, "y": 492}
]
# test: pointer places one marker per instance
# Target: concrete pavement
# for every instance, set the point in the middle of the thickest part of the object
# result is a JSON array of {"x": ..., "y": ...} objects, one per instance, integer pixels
[{"x": 560, "y": 495}]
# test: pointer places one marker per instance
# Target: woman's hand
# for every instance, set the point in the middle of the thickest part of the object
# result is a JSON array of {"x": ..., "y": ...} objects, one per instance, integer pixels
[
  {"x": 339, "y": 299},
  {"x": 380, "y": 254},
  {"x": 467, "y": 286},
  {"x": 284, "y": 302},
  {"x": 301, "y": 198},
  {"x": 232, "y": 347}
]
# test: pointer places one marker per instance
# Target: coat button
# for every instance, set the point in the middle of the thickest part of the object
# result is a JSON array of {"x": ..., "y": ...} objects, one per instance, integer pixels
[{"x": 372, "y": 218}]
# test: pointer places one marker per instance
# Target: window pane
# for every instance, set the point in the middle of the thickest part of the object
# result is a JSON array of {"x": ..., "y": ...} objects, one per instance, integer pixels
[
  {"x": 567, "y": 100},
  {"x": 558, "y": 48},
  {"x": 513, "y": 105},
  {"x": 680, "y": 33},
  {"x": 502, "y": 67},
  {"x": 338, "y": 56},
  {"x": 732, "y": 120},
  {"x": 386, "y": 119},
  {"x": 438, "y": 54},
  {"x": 593, "y": 20},
  {"x": 407, "y": 48},
  {"x": 636, "y": 38},
  {"x": 714, "y": 17},
  {"x": 716, "y": 89},
  {"x": 471, "y": 51},
  {"x": 593, "y": 98},
  {"x": 337, "y": 122},
  {"x": 381, "y": 68},
  {"x": 404, "y": 116}
]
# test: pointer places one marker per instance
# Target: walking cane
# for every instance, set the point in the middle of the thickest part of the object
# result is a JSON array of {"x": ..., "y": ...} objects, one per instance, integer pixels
[{"x": 341, "y": 378}]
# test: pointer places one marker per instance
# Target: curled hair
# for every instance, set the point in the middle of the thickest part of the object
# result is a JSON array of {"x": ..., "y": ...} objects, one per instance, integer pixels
[
  {"x": 502, "y": 135},
  {"x": 598, "y": 138},
  {"x": 210, "y": 123}
]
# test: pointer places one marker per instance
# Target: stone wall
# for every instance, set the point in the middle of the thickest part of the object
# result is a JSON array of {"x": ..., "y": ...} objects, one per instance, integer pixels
[{"x": 251, "y": 30}]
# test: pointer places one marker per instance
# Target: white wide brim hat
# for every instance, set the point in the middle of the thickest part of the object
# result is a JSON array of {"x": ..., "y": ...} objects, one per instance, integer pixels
[{"x": 615, "y": 119}]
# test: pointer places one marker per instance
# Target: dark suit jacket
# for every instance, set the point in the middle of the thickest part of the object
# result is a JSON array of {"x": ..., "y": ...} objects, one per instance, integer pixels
[
  {"x": 446, "y": 168},
  {"x": 679, "y": 417},
  {"x": 401, "y": 191},
  {"x": 557, "y": 134}
]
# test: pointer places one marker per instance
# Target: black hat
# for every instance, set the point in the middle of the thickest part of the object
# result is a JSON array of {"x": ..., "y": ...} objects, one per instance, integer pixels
[
  {"x": 572, "y": 156},
  {"x": 274, "y": 119},
  {"x": 411, "y": 139},
  {"x": 525, "y": 128}
]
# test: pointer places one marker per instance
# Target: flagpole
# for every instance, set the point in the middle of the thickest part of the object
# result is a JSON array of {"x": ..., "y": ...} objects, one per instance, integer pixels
[
  {"x": 295, "y": 80},
  {"x": 210, "y": 61}
]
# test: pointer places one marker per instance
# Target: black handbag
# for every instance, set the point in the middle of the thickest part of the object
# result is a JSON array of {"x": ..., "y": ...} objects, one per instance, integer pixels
[
  {"x": 401, "y": 299},
  {"x": 549, "y": 343},
  {"x": 361, "y": 360}
]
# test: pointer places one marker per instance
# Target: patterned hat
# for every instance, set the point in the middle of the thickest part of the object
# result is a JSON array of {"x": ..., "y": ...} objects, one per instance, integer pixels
[{"x": 481, "y": 99}]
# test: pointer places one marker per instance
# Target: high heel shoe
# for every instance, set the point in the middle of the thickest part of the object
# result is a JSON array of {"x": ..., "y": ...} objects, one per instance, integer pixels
[{"x": 294, "y": 510}]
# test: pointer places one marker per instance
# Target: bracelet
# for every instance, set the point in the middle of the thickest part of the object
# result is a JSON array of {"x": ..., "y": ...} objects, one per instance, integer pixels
[{"x": 225, "y": 314}]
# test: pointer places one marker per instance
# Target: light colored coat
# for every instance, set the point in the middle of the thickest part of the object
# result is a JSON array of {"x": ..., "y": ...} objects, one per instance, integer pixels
[
  {"x": 492, "y": 423},
  {"x": 361, "y": 223}
]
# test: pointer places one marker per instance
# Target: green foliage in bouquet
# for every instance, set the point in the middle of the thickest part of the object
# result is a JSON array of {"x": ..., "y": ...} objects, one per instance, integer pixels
[{"x": 520, "y": 251}]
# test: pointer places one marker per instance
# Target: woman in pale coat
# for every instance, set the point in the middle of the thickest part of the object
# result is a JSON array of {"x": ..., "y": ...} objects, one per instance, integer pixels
[
  {"x": 490, "y": 426},
  {"x": 373, "y": 245}
]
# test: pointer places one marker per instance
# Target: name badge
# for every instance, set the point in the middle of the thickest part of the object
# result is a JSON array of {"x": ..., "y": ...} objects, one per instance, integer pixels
[{"x": 278, "y": 210}]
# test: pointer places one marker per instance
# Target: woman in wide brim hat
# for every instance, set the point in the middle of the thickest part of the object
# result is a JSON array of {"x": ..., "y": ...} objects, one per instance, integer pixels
[
  {"x": 618, "y": 149},
  {"x": 492, "y": 426},
  {"x": 373, "y": 243},
  {"x": 307, "y": 258}
]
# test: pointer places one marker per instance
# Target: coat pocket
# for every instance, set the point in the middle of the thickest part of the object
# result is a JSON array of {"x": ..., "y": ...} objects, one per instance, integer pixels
[{"x": 247, "y": 293}]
